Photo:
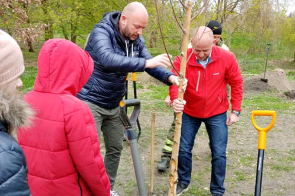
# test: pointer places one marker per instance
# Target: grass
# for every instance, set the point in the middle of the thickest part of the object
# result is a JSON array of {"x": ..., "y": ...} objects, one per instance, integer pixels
[
  {"x": 291, "y": 75},
  {"x": 28, "y": 78},
  {"x": 267, "y": 101}
]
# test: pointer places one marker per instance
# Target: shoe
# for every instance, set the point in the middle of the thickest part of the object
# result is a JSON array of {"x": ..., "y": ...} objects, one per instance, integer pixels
[
  {"x": 181, "y": 188},
  {"x": 216, "y": 194},
  {"x": 164, "y": 164},
  {"x": 114, "y": 193}
]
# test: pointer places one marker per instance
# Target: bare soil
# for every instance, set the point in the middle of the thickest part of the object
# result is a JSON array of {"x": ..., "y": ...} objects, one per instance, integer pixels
[{"x": 279, "y": 161}]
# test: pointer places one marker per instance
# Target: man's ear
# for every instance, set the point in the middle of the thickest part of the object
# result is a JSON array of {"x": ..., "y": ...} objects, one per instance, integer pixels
[
  {"x": 123, "y": 19},
  {"x": 215, "y": 41}
]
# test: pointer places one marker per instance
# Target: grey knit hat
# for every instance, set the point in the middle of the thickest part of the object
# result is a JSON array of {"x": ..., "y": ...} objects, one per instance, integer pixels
[{"x": 11, "y": 59}]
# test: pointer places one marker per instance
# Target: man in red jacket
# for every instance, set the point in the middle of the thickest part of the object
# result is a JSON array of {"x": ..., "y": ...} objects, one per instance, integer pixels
[
  {"x": 209, "y": 69},
  {"x": 164, "y": 164}
]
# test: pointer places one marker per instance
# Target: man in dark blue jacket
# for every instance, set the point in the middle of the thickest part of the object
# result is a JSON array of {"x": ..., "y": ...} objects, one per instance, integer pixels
[{"x": 117, "y": 47}]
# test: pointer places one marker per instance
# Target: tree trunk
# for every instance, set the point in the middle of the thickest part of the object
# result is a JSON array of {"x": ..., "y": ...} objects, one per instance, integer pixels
[
  {"x": 49, "y": 34},
  {"x": 29, "y": 43},
  {"x": 174, "y": 159},
  {"x": 153, "y": 40},
  {"x": 64, "y": 31},
  {"x": 73, "y": 33}
]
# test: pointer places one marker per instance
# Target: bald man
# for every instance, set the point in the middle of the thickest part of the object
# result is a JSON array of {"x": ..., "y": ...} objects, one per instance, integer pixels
[
  {"x": 117, "y": 47},
  {"x": 209, "y": 69}
]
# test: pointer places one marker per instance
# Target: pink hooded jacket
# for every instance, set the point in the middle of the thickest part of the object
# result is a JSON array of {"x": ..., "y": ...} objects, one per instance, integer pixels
[{"x": 62, "y": 146}]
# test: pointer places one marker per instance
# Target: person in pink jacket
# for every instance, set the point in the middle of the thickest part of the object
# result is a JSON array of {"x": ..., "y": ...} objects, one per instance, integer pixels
[
  {"x": 62, "y": 146},
  {"x": 209, "y": 69}
]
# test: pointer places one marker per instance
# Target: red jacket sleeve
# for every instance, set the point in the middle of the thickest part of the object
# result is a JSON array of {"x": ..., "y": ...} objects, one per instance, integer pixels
[
  {"x": 173, "y": 90},
  {"x": 235, "y": 79},
  {"x": 84, "y": 148}
]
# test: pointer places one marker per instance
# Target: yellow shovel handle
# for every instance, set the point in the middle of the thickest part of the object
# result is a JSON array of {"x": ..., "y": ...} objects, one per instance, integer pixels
[
  {"x": 263, "y": 131},
  {"x": 133, "y": 76}
]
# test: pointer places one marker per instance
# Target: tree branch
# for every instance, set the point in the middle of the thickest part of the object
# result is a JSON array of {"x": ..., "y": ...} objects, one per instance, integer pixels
[
  {"x": 180, "y": 26},
  {"x": 156, "y": 4}
]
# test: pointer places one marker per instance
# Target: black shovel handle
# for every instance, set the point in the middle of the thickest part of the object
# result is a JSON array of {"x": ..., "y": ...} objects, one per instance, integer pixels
[
  {"x": 129, "y": 123},
  {"x": 259, "y": 173}
]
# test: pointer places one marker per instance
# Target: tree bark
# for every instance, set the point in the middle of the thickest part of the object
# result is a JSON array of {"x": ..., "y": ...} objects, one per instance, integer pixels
[{"x": 174, "y": 159}]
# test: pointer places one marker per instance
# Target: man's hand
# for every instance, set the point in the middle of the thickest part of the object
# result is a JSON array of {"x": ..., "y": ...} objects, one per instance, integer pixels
[
  {"x": 168, "y": 101},
  {"x": 175, "y": 80},
  {"x": 231, "y": 119},
  {"x": 178, "y": 106},
  {"x": 160, "y": 60}
]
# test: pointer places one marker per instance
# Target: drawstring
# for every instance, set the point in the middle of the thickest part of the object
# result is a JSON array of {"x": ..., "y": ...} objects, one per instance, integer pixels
[
  {"x": 126, "y": 48},
  {"x": 127, "y": 52}
]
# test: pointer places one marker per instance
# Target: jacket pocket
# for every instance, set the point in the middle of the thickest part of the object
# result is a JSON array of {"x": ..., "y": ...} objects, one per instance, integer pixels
[{"x": 220, "y": 98}]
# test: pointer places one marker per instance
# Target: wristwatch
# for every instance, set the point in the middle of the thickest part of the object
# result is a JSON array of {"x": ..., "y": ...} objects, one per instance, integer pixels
[{"x": 236, "y": 112}]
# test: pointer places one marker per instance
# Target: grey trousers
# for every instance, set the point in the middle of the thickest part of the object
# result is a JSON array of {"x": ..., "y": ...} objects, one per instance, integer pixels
[{"x": 108, "y": 122}]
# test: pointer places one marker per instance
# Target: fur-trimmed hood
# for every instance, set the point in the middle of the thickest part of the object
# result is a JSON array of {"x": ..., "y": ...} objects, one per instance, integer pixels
[{"x": 14, "y": 111}]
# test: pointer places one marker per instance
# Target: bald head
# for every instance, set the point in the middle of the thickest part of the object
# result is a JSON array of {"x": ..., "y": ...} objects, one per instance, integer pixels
[
  {"x": 134, "y": 19},
  {"x": 135, "y": 8},
  {"x": 202, "y": 42},
  {"x": 203, "y": 34}
]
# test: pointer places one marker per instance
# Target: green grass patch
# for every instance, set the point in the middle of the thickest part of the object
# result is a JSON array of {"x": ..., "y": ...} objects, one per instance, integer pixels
[
  {"x": 240, "y": 175},
  {"x": 281, "y": 167},
  {"x": 291, "y": 75},
  {"x": 247, "y": 161},
  {"x": 266, "y": 101},
  {"x": 28, "y": 78},
  {"x": 158, "y": 92}
]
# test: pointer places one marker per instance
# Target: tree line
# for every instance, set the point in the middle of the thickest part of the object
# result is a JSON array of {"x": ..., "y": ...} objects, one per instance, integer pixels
[{"x": 247, "y": 24}]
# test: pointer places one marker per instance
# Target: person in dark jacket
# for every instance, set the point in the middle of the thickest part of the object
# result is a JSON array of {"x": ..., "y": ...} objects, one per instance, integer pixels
[
  {"x": 117, "y": 47},
  {"x": 14, "y": 113}
]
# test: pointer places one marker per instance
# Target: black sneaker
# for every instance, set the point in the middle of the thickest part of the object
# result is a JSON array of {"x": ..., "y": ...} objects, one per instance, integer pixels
[
  {"x": 164, "y": 164},
  {"x": 181, "y": 188}
]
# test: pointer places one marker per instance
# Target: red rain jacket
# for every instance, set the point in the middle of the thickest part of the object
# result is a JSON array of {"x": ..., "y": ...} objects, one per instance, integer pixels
[
  {"x": 206, "y": 93},
  {"x": 62, "y": 146}
]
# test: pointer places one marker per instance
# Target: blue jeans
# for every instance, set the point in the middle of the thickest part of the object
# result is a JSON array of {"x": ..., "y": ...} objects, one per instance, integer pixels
[{"x": 218, "y": 134}]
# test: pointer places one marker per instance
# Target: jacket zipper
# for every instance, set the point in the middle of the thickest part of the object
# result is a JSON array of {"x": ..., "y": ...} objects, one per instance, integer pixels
[
  {"x": 198, "y": 81},
  {"x": 205, "y": 95}
]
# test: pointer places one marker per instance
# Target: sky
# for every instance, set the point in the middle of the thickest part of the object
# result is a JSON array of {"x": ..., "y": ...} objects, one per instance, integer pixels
[{"x": 291, "y": 7}]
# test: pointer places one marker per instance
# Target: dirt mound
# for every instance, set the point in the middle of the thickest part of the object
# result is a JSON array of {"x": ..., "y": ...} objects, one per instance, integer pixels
[
  {"x": 275, "y": 81},
  {"x": 290, "y": 94}
]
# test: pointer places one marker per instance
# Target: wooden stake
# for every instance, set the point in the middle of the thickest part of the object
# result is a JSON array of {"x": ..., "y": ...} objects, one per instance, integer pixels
[
  {"x": 174, "y": 159},
  {"x": 152, "y": 153}
]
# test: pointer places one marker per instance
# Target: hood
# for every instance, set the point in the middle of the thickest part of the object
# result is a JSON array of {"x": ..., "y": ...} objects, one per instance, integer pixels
[
  {"x": 63, "y": 67},
  {"x": 15, "y": 112}
]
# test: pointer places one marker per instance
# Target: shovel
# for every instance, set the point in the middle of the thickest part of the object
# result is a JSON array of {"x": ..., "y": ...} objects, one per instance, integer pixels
[
  {"x": 267, "y": 48},
  {"x": 129, "y": 125},
  {"x": 261, "y": 144},
  {"x": 135, "y": 97}
]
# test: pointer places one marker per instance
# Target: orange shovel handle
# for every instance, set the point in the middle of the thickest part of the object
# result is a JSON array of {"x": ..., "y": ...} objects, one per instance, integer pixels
[{"x": 263, "y": 131}]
